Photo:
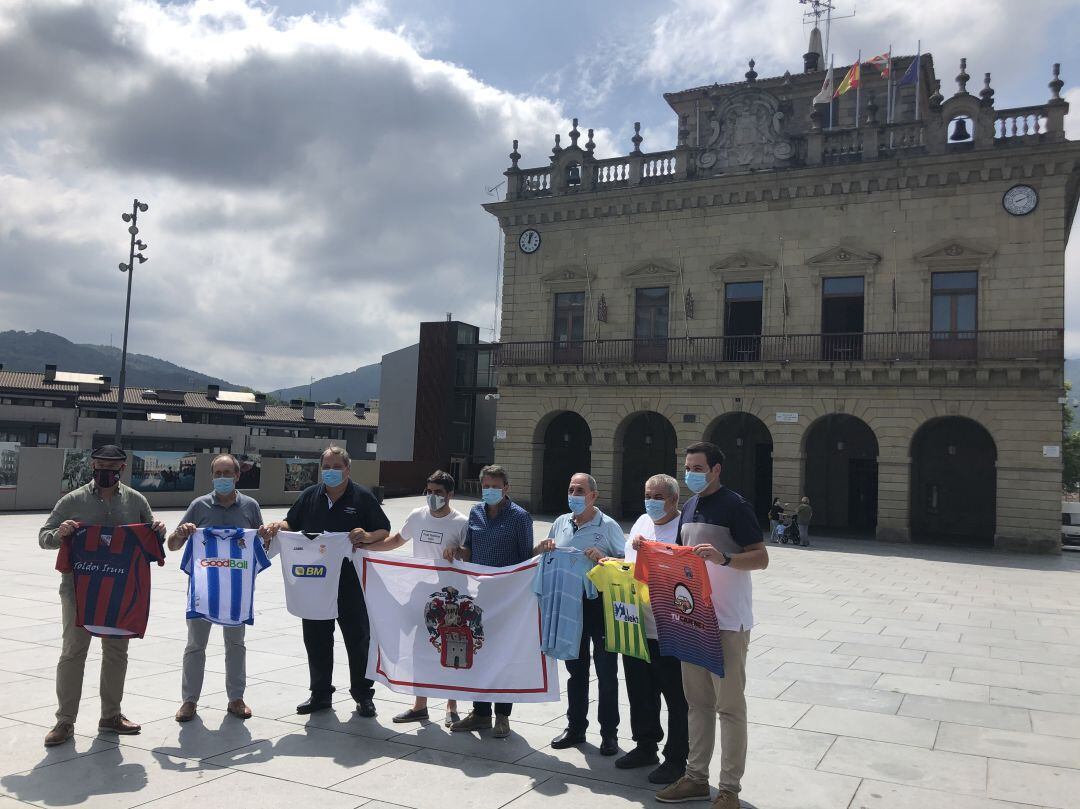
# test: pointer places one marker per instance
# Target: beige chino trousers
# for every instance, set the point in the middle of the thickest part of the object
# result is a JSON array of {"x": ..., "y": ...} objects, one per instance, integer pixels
[
  {"x": 710, "y": 697},
  {"x": 69, "y": 671}
]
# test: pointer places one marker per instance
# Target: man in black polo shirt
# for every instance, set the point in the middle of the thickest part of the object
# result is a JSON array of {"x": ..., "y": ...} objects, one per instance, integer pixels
[{"x": 338, "y": 504}]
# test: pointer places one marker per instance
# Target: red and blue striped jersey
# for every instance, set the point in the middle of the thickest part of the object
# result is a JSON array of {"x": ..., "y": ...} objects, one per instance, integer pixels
[
  {"x": 681, "y": 599},
  {"x": 111, "y": 567}
]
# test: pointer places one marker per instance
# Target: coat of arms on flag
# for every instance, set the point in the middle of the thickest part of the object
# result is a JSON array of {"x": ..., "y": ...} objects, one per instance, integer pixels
[
  {"x": 455, "y": 630},
  {"x": 455, "y": 626}
]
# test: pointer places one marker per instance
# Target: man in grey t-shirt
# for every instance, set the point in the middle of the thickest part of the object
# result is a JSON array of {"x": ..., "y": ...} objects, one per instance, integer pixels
[{"x": 225, "y": 507}]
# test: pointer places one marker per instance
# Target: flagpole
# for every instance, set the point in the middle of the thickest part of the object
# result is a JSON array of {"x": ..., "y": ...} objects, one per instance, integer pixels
[
  {"x": 831, "y": 78},
  {"x": 858, "y": 86},
  {"x": 888, "y": 91},
  {"x": 918, "y": 78}
]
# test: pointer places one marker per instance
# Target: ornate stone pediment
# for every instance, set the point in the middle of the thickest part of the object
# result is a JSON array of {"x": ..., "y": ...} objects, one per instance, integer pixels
[
  {"x": 746, "y": 132},
  {"x": 570, "y": 275},
  {"x": 651, "y": 270},
  {"x": 842, "y": 256},
  {"x": 743, "y": 261},
  {"x": 954, "y": 253}
]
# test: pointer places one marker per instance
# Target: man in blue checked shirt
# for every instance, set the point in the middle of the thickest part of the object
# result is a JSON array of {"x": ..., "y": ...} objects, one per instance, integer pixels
[
  {"x": 589, "y": 530},
  {"x": 500, "y": 533}
]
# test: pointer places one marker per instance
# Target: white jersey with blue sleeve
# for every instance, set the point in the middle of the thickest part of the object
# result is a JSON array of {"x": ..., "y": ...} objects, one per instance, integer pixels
[{"x": 222, "y": 564}]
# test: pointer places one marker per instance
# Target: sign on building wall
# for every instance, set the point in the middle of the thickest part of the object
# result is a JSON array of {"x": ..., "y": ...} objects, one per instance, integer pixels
[
  {"x": 500, "y": 435},
  {"x": 160, "y": 471},
  {"x": 9, "y": 464},
  {"x": 301, "y": 473},
  {"x": 1051, "y": 452},
  {"x": 787, "y": 418},
  {"x": 77, "y": 470}
]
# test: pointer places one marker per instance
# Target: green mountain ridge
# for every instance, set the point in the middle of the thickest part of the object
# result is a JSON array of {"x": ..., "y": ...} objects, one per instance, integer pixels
[{"x": 33, "y": 350}]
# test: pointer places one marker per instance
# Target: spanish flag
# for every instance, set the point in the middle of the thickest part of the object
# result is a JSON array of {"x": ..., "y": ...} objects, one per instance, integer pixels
[{"x": 850, "y": 82}]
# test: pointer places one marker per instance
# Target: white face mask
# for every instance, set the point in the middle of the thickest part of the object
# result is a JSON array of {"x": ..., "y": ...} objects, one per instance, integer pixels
[{"x": 435, "y": 501}]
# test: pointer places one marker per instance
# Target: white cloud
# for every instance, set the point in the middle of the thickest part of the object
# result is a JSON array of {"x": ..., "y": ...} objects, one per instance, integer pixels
[
  {"x": 699, "y": 42},
  {"x": 315, "y": 182}
]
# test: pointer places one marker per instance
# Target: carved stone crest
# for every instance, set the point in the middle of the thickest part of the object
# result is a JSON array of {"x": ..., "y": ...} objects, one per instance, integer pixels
[{"x": 746, "y": 131}]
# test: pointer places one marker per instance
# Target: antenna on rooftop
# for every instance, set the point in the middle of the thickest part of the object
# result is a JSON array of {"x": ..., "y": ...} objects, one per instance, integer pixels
[{"x": 823, "y": 8}]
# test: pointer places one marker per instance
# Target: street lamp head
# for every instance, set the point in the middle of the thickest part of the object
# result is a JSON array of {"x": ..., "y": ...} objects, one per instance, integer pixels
[
  {"x": 139, "y": 243},
  {"x": 141, "y": 258},
  {"x": 144, "y": 207},
  {"x": 126, "y": 217},
  {"x": 124, "y": 267},
  {"x": 133, "y": 230}
]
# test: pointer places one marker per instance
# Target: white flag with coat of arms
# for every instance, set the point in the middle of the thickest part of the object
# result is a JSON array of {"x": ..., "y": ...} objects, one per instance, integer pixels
[{"x": 455, "y": 630}]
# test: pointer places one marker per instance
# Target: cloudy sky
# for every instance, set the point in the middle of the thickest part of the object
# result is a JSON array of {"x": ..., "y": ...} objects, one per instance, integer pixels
[{"x": 315, "y": 168}]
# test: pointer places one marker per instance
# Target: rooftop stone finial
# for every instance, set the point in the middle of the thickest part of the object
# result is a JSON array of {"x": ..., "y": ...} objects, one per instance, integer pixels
[
  {"x": 637, "y": 139},
  {"x": 514, "y": 156},
  {"x": 871, "y": 112},
  {"x": 815, "y": 53},
  {"x": 751, "y": 74},
  {"x": 962, "y": 77},
  {"x": 1056, "y": 83},
  {"x": 987, "y": 92},
  {"x": 558, "y": 145},
  {"x": 574, "y": 135},
  {"x": 936, "y": 97},
  {"x": 589, "y": 145}
]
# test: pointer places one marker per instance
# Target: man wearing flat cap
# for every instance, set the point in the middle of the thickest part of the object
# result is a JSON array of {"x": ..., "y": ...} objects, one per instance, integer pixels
[{"x": 102, "y": 501}]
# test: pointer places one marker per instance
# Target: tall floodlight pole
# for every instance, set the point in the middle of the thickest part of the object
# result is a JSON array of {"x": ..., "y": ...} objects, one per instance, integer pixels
[{"x": 129, "y": 268}]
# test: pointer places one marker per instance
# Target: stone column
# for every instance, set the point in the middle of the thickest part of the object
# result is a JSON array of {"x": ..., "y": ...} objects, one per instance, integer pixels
[{"x": 894, "y": 499}]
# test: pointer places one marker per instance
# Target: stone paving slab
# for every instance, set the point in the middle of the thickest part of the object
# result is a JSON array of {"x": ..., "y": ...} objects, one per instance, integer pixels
[{"x": 880, "y": 677}]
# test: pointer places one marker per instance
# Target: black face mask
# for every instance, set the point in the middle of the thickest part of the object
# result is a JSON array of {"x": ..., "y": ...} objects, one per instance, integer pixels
[{"x": 106, "y": 478}]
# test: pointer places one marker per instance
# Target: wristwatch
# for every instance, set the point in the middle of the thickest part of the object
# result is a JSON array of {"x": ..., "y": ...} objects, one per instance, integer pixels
[{"x": 727, "y": 559}]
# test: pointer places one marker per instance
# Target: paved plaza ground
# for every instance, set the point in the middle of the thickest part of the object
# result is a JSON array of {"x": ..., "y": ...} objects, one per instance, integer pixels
[{"x": 881, "y": 677}]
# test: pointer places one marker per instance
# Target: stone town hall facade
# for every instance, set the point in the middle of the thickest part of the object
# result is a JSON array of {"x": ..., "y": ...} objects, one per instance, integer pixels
[{"x": 868, "y": 315}]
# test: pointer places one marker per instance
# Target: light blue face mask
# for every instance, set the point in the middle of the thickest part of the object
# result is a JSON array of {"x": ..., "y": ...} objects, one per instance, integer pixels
[
  {"x": 224, "y": 486},
  {"x": 696, "y": 481},
  {"x": 492, "y": 497},
  {"x": 332, "y": 477},
  {"x": 655, "y": 509},
  {"x": 576, "y": 503}
]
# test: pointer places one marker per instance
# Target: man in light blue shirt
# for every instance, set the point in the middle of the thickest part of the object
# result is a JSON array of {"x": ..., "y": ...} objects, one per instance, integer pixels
[{"x": 589, "y": 530}]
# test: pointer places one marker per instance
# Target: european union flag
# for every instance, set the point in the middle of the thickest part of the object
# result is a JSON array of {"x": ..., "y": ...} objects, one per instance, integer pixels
[{"x": 911, "y": 75}]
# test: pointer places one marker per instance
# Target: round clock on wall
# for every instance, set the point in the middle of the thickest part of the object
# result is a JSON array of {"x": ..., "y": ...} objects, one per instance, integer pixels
[
  {"x": 1020, "y": 200},
  {"x": 529, "y": 241}
]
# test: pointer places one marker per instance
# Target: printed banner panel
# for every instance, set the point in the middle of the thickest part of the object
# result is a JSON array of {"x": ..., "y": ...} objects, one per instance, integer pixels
[{"x": 457, "y": 631}]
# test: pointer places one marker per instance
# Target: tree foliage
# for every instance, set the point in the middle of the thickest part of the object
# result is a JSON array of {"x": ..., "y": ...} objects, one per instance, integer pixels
[{"x": 1070, "y": 446}]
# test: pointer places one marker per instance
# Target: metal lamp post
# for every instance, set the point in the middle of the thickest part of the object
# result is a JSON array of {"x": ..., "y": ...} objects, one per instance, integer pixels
[{"x": 129, "y": 268}]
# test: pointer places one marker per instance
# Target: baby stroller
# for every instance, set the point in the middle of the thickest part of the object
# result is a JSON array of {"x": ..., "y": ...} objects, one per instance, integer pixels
[{"x": 788, "y": 530}]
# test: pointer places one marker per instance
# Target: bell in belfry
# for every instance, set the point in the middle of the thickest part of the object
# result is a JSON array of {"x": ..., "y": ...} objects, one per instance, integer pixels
[
  {"x": 573, "y": 174},
  {"x": 960, "y": 131}
]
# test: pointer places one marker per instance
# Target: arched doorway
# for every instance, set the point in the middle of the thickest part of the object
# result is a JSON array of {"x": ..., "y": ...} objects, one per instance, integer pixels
[
  {"x": 747, "y": 446},
  {"x": 841, "y": 474},
  {"x": 648, "y": 448},
  {"x": 953, "y": 483},
  {"x": 567, "y": 449}
]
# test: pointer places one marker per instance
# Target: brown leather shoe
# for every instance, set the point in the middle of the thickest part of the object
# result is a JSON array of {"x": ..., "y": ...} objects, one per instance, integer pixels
[
  {"x": 239, "y": 709},
  {"x": 118, "y": 724},
  {"x": 59, "y": 734},
  {"x": 186, "y": 712}
]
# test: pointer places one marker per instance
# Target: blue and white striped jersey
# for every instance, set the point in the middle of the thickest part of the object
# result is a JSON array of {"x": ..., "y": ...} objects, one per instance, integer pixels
[{"x": 222, "y": 564}]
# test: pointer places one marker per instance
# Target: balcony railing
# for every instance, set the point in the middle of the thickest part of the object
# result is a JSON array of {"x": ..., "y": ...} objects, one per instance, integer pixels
[{"x": 1043, "y": 345}]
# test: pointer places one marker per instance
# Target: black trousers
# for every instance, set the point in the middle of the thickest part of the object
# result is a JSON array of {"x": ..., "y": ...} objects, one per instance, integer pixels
[
  {"x": 607, "y": 675},
  {"x": 484, "y": 708},
  {"x": 645, "y": 683},
  {"x": 319, "y": 641}
]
